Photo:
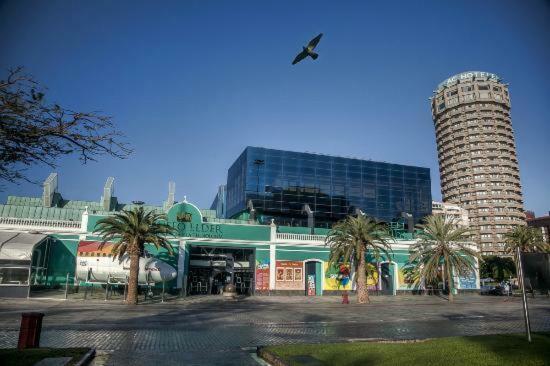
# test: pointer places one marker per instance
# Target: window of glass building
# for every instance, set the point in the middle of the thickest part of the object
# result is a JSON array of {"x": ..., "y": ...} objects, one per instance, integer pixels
[{"x": 333, "y": 187}]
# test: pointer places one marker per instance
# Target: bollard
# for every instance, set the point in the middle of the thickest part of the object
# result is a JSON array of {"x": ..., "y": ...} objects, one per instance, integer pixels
[
  {"x": 67, "y": 286},
  {"x": 345, "y": 298},
  {"x": 29, "y": 332}
]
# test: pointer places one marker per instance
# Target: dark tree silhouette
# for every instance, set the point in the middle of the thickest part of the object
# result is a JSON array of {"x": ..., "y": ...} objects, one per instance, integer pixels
[
  {"x": 498, "y": 268},
  {"x": 35, "y": 131}
]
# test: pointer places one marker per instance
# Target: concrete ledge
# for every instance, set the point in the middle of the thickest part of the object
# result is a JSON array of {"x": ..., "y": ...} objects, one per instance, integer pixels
[{"x": 86, "y": 358}]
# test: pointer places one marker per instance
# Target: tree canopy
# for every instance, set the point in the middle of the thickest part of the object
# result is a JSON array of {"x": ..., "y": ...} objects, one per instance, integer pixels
[
  {"x": 36, "y": 131},
  {"x": 498, "y": 268},
  {"x": 528, "y": 239}
]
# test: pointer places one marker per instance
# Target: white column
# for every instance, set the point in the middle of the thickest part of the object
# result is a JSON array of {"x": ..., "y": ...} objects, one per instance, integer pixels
[
  {"x": 272, "y": 259},
  {"x": 273, "y": 234},
  {"x": 181, "y": 263},
  {"x": 84, "y": 222}
]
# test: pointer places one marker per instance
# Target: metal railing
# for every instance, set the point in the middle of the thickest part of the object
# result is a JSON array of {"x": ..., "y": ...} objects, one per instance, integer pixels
[
  {"x": 304, "y": 237},
  {"x": 40, "y": 223},
  {"x": 115, "y": 289}
]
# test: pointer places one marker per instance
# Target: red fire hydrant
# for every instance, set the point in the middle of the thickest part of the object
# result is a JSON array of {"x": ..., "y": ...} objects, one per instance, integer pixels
[
  {"x": 29, "y": 333},
  {"x": 345, "y": 298}
]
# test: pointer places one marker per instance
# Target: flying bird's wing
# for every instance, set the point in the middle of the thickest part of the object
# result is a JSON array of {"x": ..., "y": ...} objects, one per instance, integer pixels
[
  {"x": 300, "y": 57},
  {"x": 313, "y": 43}
]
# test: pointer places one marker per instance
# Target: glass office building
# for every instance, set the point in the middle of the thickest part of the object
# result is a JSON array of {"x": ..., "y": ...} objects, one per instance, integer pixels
[{"x": 278, "y": 184}]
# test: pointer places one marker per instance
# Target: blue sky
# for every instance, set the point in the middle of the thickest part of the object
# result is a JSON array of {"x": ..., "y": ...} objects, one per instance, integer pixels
[{"x": 191, "y": 83}]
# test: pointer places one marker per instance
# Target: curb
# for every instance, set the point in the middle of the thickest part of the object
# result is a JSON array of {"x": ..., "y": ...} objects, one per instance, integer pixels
[
  {"x": 269, "y": 357},
  {"x": 86, "y": 358}
]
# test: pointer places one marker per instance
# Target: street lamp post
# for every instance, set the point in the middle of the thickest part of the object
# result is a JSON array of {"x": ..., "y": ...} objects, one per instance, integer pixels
[{"x": 524, "y": 298}]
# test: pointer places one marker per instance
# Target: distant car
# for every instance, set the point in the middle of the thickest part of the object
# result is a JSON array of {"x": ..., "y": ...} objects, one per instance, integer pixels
[
  {"x": 484, "y": 290},
  {"x": 492, "y": 290}
]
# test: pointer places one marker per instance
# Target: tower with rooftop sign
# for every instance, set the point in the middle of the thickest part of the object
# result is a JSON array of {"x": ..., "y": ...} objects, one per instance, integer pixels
[{"x": 477, "y": 154}]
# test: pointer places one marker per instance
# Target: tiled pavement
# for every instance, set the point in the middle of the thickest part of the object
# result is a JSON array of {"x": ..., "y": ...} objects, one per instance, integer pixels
[{"x": 213, "y": 331}]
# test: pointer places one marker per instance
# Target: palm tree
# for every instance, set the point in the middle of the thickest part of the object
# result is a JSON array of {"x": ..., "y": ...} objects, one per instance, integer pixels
[
  {"x": 442, "y": 242},
  {"x": 350, "y": 240},
  {"x": 129, "y": 231},
  {"x": 527, "y": 239}
]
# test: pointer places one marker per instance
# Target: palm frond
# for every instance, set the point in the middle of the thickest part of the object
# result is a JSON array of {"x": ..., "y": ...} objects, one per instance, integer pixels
[
  {"x": 527, "y": 239},
  {"x": 442, "y": 241},
  {"x": 130, "y": 230}
]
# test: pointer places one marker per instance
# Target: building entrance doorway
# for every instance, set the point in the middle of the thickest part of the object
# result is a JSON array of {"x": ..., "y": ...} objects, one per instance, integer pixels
[
  {"x": 386, "y": 277},
  {"x": 211, "y": 268}
]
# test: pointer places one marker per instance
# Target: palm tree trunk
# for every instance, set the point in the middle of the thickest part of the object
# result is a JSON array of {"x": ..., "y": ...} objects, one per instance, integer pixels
[
  {"x": 449, "y": 281},
  {"x": 133, "y": 280},
  {"x": 444, "y": 279},
  {"x": 362, "y": 291}
]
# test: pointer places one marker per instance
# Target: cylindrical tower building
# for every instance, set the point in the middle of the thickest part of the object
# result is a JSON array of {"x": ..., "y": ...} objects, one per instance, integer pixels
[{"x": 477, "y": 154}]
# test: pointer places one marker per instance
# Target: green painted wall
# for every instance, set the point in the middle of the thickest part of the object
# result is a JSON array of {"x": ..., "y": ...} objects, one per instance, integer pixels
[
  {"x": 92, "y": 221},
  {"x": 224, "y": 244},
  {"x": 62, "y": 259},
  {"x": 296, "y": 253},
  {"x": 188, "y": 220},
  {"x": 318, "y": 279}
]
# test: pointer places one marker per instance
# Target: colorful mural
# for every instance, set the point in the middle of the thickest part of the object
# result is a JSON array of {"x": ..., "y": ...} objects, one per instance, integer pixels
[
  {"x": 262, "y": 275},
  {"x": 372, "y": 279},
  {"x": 335, "y": 278}
]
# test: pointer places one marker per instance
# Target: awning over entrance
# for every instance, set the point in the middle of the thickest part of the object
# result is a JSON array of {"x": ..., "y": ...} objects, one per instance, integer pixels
[{"x": 18, "y": 246}]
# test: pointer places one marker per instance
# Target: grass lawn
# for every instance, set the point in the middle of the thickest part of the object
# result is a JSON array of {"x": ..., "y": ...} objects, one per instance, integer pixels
[
  {"x": 32, "y": 356},
  {"x": 499, "y": 350}
]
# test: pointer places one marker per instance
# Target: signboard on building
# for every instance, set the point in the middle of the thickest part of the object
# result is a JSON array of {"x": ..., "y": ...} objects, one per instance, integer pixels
[
  {"x": 289, "y": 275},
  {"x": 469, "y": 75},
  {"x": 310, "y": 285},
  {"x": 262, "y": 275},
  {"x": 189, "y": 222},
  {"x": 468, "y": 282}
]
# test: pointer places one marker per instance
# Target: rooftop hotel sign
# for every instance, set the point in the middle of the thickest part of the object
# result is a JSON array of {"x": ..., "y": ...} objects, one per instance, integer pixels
[
  {"x": 468, "y": 75},
  {"x": 187, "y": 219}
]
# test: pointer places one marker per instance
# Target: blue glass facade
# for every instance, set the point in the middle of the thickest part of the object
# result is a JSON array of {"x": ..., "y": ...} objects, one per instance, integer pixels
[{"x": 279, "y": 183}]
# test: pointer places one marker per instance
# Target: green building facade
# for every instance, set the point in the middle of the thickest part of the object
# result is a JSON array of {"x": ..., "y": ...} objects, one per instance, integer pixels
[{"x": 210, "y": 252}]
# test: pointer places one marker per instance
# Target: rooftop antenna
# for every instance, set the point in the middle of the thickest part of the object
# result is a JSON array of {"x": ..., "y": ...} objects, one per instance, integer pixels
[
  {"x": 50, "y": 188},
  {"x": 171, "y": 195}
]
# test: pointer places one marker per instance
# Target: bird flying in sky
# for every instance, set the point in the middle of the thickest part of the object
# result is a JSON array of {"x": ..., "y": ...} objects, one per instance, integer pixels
[{"x": 308, "y": 51}]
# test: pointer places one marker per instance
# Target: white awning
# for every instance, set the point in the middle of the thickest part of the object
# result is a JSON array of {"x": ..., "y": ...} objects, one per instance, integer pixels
[{"x": 18, "y": 246}]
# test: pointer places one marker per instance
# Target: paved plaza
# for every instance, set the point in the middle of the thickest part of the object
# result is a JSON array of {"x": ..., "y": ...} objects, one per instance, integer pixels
[{"x": 214, "y": 330}]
